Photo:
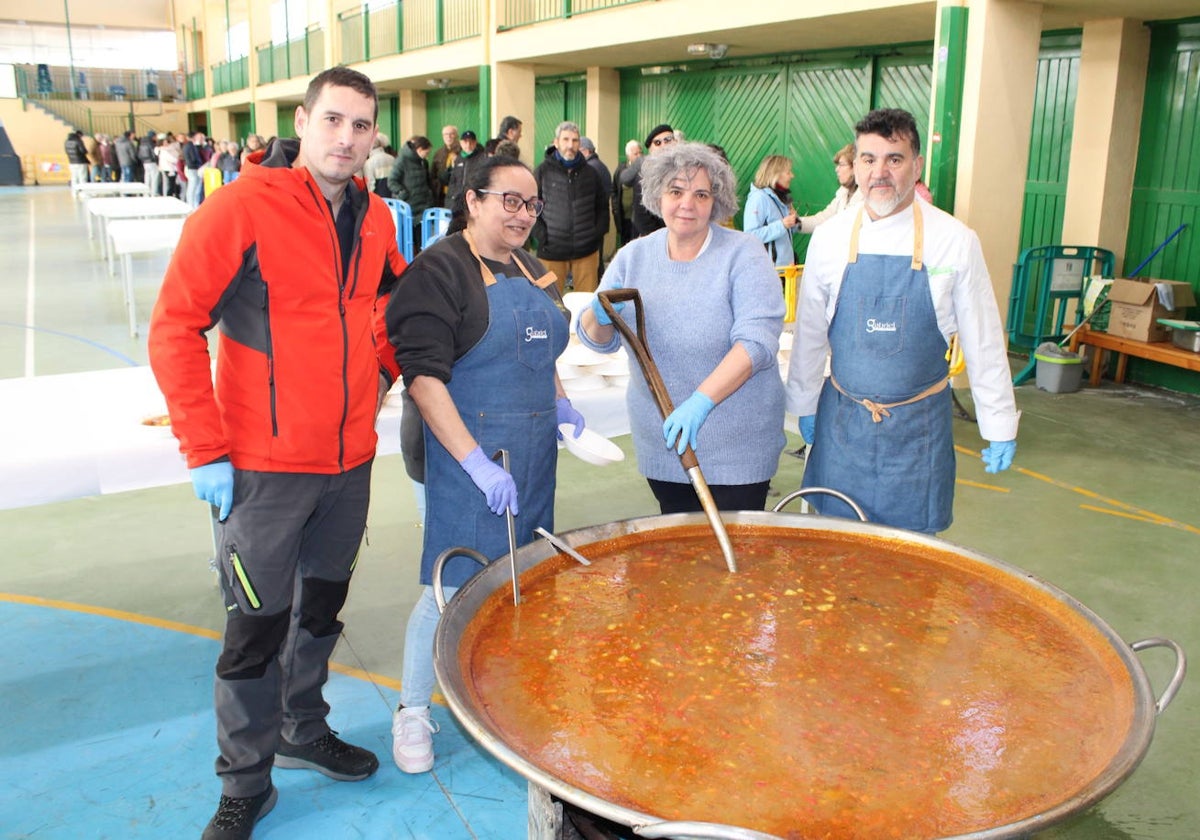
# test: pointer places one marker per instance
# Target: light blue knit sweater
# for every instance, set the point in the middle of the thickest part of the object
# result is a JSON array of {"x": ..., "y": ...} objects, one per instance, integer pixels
[{"x": 695, "y": 312}]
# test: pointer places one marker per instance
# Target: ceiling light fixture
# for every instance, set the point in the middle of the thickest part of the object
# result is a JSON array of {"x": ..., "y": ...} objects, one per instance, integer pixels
[
  {"x": 713, "y": 51},
  {"x": 441, "y": 84}
]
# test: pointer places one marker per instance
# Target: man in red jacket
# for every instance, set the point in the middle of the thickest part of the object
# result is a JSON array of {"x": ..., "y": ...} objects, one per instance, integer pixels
[{"x": 291, "y": 262}]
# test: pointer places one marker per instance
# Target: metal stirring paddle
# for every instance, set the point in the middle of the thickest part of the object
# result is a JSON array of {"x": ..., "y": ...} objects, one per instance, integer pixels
[{"x": 658, "y": 389}]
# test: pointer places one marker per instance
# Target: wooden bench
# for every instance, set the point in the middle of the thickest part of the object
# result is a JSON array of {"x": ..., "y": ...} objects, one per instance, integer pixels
[{"x": 1156, "y": 351}]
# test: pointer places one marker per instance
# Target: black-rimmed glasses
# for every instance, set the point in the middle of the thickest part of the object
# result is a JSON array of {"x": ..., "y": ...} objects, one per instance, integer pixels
[{"x": 513, "y": 202}]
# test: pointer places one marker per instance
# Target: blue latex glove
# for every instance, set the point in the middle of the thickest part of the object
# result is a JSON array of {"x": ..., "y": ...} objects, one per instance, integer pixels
[
  {"x": 493, "y": 480},
  {"x": 685, "y": 421},
  {"x": 601, "y": 316},
  {"x": 999, "y": 455},
  {"x": 808, "y": 428},
  {"x": 213, "y": 483},
  {"x": 566, "y": 413}
]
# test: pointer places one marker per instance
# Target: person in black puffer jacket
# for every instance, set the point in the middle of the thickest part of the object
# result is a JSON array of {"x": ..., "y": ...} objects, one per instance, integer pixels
[
  {"x": 77, "y": 157},
  {"x": 410, "y": 181},
  {"x": 572, "y": 226}
]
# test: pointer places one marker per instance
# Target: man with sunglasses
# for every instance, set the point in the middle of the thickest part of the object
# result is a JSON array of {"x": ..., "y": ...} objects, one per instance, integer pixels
[
  {"x": 644, "y": 221},
  {"x": 571, "y": 228}
]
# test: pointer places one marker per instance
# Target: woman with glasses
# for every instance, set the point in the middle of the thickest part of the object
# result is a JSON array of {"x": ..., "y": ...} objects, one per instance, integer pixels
[
  {"x": 848, "y": 194},
  {"x": 713, "y": 314},
  {"x": 477, "y": 323},
  {"x": 770, "y": 216}
]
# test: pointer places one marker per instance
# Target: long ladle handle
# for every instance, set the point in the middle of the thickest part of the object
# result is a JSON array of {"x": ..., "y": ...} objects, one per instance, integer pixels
[
  {"x": 658, "y": 389},
  {"x": 501, "y": 455}
]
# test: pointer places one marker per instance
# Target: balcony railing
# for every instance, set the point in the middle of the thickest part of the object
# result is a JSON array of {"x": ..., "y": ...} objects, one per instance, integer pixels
[
  {"x": 299, "y": 57},
  {"x": 514, "y": 13},
  {"x": 231, "y": 76},
  {"x": 195, "y": 85},
  {"x": 406, "y": 25},
  {"x": 47, "y": 82}
]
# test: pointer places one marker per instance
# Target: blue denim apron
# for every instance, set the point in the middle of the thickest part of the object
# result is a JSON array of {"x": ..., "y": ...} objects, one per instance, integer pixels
[
  {"x": 883, "y": 433},
  {"x": 504, "y": 390}
]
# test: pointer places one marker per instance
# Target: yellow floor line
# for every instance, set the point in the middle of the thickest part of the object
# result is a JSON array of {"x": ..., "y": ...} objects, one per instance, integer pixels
[
  {"x": 1122, "y": 513},
  {"x": 1129, "y": 511},
  {"x": 179, "y": 627},
  {"x": 981, "y": 486}
]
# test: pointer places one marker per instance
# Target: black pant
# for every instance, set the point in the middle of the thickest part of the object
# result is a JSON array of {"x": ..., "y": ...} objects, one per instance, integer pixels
[{"x": 674, "y": 497}]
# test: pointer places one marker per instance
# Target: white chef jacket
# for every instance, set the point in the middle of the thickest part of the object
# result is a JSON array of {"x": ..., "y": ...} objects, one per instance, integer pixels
[{"x": 963, "y": 299}]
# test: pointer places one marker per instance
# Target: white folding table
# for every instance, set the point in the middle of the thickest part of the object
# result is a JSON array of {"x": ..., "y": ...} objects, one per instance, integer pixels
[
  {"x": 150, "y": 207},
  {"x": 109, "y": 188},
  {"x": 139, "y": 236}
]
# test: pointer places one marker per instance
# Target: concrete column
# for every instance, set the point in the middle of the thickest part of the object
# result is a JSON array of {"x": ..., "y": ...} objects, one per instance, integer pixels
[
  {"x": 512, "y": 93},
  {"x": 604, "y": 124},
  {"x": 1108, "y": 118},
  {"x": 266, "y": 117},
  {"x": 412, "y": 117},
  {"x": 220, "y": 126},
  {"x": 1003, "y": 39}
]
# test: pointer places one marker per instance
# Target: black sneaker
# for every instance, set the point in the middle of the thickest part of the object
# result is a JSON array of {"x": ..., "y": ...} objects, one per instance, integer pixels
[
  {"x": 235, "y": 817},
  {"x": 330, "y": 755}
]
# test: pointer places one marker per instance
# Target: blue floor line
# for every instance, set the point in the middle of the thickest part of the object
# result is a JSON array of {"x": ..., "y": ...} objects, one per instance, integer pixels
[{"x": 109, "y": 733}]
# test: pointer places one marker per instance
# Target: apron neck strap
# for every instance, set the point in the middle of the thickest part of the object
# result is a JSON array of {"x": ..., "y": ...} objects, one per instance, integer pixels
[
  {"x": 918, "y": 236},
  {"x": 489, "y": 279}
]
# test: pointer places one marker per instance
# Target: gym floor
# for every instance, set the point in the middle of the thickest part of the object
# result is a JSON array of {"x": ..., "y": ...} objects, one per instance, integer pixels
[{"x": 113, "y": 615}]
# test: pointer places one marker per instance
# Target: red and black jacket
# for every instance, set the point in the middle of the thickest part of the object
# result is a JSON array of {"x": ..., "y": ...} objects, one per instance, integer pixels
[{"x": 300, "y": 344}]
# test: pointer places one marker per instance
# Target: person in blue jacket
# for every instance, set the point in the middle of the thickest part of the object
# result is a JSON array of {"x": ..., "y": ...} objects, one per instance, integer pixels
[{"x": 770, "y": 216}]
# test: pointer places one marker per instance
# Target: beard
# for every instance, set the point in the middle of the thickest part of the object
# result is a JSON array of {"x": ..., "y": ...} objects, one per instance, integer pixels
[{"x": 886, "y": 204}]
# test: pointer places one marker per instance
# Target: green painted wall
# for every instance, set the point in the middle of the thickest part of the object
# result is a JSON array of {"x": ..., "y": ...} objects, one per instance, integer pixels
[
  {"x": 1050, "y": 141},
  {"x": 458, "y": 107},
  {"x": 556, "y": 100},
  {"x": 1166, "y": 184},
  {"x": 802, "y": 106}
]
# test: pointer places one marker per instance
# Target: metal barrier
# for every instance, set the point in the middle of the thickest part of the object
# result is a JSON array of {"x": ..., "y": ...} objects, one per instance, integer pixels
[
  {"x": 790, "y": 275},
  {"x": 1048, "y": 283}
]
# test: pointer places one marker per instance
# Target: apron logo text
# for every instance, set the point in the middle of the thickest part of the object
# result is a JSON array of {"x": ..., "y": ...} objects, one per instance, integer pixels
[
  {"x": 532, "y": 334},
  {"x": 880, "y": 326}
]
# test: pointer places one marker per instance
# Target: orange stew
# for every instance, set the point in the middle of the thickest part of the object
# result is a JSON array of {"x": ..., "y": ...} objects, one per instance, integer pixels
[{"x": 837, "y": 686}]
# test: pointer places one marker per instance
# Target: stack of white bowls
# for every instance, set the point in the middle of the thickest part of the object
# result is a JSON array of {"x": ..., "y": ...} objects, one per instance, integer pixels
[{"x": 582, "y": 369}]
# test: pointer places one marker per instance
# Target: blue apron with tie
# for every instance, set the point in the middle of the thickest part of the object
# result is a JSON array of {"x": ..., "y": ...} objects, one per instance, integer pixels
[
  {"x": 504, "y": 390},
  {"x": 883, "y": 434}
]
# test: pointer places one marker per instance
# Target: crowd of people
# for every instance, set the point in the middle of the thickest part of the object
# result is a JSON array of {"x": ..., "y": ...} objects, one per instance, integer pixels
[
  {"x": 168, "y": 164},
  {"x": 317, "y": 329}
]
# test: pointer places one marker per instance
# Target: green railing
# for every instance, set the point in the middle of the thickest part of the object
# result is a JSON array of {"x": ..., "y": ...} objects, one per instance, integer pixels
[
  {"x": 407, "y": 25},
  {"x": 45, "y": 82},
  {"x": 195, "y": 85},
  {"x": 514, "y": 13},
  {"x": 299, "y": 57},
  {"x": 231, "y": 76}
]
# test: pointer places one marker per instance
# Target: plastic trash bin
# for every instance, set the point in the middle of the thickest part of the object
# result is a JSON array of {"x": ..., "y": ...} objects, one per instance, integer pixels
[{"x": 1059, "y": 371}]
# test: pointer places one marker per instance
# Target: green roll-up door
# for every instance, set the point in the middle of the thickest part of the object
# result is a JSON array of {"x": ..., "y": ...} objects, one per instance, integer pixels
[
  {"x": 1050, "y": 141},
  {"x": 458, "y": 107},
  {"x": 804, "y": 107},
  {"x": 388, "y": 120},
  {"x": 557, "y": 100},
  {"x": 1166, "y": 183}
]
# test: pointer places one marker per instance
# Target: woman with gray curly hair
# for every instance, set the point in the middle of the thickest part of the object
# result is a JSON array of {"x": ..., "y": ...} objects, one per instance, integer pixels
[{"x": 713, "y": 311}]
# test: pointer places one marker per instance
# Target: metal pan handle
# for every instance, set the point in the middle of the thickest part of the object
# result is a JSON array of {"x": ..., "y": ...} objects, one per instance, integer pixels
[
  {"x": 1172, "y": 688},
  {"x": 689, "y": 830},
  {"x": 808, "y": 491},
  {"x": 439, "y": 565}
]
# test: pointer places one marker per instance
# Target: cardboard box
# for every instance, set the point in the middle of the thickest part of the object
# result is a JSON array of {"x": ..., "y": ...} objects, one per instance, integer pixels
[{"x": 1136, "y": 310}]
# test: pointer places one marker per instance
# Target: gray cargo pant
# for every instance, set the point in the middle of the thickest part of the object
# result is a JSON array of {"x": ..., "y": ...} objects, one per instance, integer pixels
[{"x": 286, "y": 552}]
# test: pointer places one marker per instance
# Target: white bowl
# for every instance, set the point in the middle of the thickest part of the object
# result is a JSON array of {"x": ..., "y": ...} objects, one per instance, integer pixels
[
  {"x": 612, "y": 367},
  {"x": 583, "y": 383},
  {"x": 617, "y": 380},
  {"x": 576, "y": 302},
  {"x": 566, "y": 371},
  {"x": 592, "y": 447},
  {"x": 577, "y": 354}
]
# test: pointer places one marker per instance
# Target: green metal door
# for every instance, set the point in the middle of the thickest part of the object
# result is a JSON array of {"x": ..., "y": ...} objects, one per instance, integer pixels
[
  {"x": 557, "y": 100},
  {"x": 241, "y": 126},
  {"x": 1050, "y": 141},
  {"x": 804, "y": 107},
  {"x": 1166, "y": 183},
  {"x": 458, "y": 107},
  {"x": 388, "y": 120}
]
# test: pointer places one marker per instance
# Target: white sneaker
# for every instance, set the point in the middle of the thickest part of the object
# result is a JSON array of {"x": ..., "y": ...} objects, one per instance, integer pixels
[{"x": 412, "y": 739}]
